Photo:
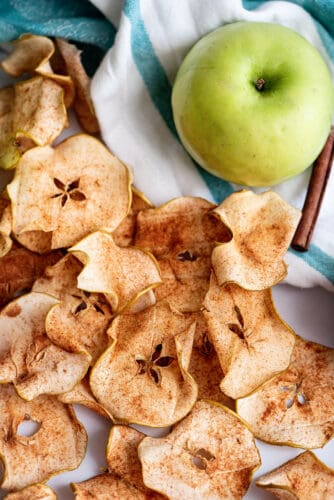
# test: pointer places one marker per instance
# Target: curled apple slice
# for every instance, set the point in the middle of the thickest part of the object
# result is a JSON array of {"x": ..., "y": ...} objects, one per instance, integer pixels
[
  {"x": 28, "y": 357},
  {"x": 124, "y": 275},
  {"x": 209, "y": 454},
  {"x": 295, "y": 408},
  {"x": 262, "y": 227},
  {"x": 143, "y": 376},
  {"x": 31, "y": 113},
  {"x": 81, "y": 188},
  {"x": 80, "y": 321},
  {"x": 32, "y": 54},
  {"x": 38, "y": 438},
  {"x": 253, "y": 343},
  {"x": 302, "y": 477}
]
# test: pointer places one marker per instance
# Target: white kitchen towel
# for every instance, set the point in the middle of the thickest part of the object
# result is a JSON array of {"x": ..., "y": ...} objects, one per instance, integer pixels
[{"x": 132, "y": 88}]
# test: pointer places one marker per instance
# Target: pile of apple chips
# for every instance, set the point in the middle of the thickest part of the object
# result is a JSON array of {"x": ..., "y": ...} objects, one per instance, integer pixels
[{"x": 154, "y": 316}]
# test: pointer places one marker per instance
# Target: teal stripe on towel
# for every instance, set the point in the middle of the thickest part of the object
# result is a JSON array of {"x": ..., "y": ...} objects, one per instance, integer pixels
[
  {"x": 160, "y": 89},
  {"x": 319, "y": 260}
]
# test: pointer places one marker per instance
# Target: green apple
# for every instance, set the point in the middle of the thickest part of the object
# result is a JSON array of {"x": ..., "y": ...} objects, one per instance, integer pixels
[{"x": 253, "y": 102}]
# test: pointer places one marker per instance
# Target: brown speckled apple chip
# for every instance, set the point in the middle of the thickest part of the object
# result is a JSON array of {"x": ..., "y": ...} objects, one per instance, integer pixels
[
  {"x": 303, "y": 477},
  {"x": 209, "y": 454},
  {"x": 71, "y": 190},
  {"x": 124, "y": 275},
  {"x": 295, "y": 408},
  {"x": 142, "y": 377},
  {"x": 33, "y": 492},
  {"x": 181, "y": 235},
  {"x": 52, "y": 442},
  {"x": 262, "y": 227},
  {"x": 32, "y": 55},
  {"x": 79, "y": 323},
  {"x": 32, "y": 113},
  {"x": 28, "y": 358},
  {"x": 252, "y": 342}
]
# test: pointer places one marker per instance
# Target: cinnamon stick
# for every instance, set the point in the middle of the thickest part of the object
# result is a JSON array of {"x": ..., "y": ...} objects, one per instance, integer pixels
[{"x": 315, "y": 193}]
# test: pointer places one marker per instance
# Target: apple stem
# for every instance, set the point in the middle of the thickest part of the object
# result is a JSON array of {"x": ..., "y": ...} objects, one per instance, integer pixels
[{"x": 260, "y": 83}]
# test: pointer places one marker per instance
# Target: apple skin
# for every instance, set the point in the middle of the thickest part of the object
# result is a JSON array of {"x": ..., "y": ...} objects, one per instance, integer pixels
[{"x": 238, "y": 132}]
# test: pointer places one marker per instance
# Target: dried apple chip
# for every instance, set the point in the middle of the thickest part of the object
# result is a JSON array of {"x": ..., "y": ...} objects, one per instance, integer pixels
[
  {"x": 19, "y": 268},
  {"x": 57, "y": 443},
  {"x": 181, "y": 235},
  {"x": 252, "y": 342},
  {"x": 142, "y": 377},
  {"x": 29, "y": 53},
  {"x": 28, "y": 358},
  {"x": 81, "y": 188},
  {"x": 83, "y": 104},
  {"x": 209, "y": 454},
  {"x": 122, "y": 274},
  {"x": 35, "y": 115},
  {"x": 295, "y": 408},
  {"x": 32, "y": 54},
  {"x": 82, "y": 394},
  {"x": 79, "y": 323},
  {"x": 262, "y": 227},
  {"x": 35, "y": 492},
  {"x": 303, "y": 477}
]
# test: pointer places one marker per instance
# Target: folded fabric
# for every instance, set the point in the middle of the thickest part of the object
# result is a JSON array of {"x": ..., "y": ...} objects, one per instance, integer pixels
[{"x": 132, "y": 89}]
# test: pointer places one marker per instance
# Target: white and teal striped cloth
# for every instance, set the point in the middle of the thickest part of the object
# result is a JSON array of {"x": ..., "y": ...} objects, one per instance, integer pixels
[{"x": 132, "y": 88}]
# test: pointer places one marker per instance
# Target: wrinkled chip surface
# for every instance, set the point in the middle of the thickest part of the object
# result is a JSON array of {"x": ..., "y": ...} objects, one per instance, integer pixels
[
  {"x": 122, "y": 274},
  {"x": 142, "y": 377},
  {"x": 36, "y": 241},
  {"x": 28, "y": 358},
  {"x": 303, "y": 477},
  {"x": 19, "y": 268},
  {"x": 33, "y": 492},
  {"x": 32, "y": 54},
  {"x": 31, "y": 113},
  {"x": 79, "y": 323},
  {"x": 252, "y": 342},
  {"x": 181, "y": 235},
  {"x": 82, "y": 394},
  {"x": 29, "y": 53},
  {"x": 296, "y": 408},
  {"x": 209, "y": 454},
  {"x": 58, "y": 444},
  {"x": 262, "y": 227},
  {"x": 81, "y": 187}
]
